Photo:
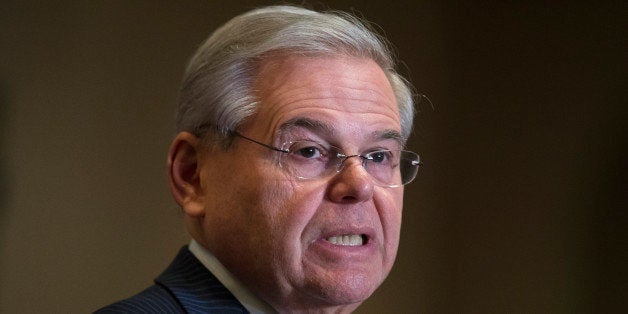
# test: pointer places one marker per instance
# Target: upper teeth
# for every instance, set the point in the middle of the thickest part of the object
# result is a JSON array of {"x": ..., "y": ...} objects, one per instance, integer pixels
[{"x": 351, "y": 240}]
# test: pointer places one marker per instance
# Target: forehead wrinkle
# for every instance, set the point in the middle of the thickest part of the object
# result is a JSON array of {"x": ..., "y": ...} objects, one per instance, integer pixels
[
  {"x": 358, "y": 89},
  {"x": 327, "y": 129},
  {"x": 320, "y": 126},
  {"x": 375, "y": 89},
  {"x": 356, "y": 103},
  {"x": 339, "y": 93}
]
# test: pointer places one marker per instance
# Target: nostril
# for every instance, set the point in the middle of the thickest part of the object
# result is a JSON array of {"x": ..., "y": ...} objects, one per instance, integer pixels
[{"x": 349, "y": 199}]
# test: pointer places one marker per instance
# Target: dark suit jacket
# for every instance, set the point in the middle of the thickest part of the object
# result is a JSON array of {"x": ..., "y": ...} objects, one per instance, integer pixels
[{"x": 185, "y": 287}]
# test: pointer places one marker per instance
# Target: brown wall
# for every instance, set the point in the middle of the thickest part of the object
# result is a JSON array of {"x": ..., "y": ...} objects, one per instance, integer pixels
[{"x": 519, "y": 208}]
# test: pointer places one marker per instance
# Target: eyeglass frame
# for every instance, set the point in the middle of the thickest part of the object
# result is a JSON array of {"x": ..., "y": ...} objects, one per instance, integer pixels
[{"x": 343, "y": 157}]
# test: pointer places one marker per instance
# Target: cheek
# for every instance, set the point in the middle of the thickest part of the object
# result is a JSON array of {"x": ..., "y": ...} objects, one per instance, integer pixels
[
  {"x": 288, "y": 215},
  {"x": 290, "y": 206},
  {"x": 389, "y": 205},
  {"x": 248, "y": 225}
]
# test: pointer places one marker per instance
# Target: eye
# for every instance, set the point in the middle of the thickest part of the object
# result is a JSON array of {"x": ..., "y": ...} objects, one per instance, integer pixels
[
  {"x": 381, "y": 156},
  {"x": 309, "y": 152}
]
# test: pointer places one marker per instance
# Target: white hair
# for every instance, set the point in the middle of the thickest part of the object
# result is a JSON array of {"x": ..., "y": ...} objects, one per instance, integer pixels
[{"x": 216, "y": 95}]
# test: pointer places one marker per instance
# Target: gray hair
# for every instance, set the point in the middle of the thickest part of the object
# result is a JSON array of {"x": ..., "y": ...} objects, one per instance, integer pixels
[{"x": 216, "y": 95}]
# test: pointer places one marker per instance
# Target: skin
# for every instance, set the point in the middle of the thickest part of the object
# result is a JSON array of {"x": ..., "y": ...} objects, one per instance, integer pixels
[{"x": 270, "y": 228}]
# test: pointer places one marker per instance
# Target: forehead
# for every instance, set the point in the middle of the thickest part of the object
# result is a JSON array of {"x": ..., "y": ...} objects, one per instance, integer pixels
[{"x": 352, "y": 94}]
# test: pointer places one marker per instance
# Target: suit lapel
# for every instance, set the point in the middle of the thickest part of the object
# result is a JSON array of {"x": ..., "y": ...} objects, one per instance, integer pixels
[{"x": 197, "y": 289}]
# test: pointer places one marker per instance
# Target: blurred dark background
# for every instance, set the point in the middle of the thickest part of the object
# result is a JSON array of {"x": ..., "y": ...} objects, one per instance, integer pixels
[{"x": 520, "y": 207}]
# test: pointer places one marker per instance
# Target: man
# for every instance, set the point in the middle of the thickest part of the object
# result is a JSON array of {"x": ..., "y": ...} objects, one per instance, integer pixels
[{"x": 289, "y": 167}]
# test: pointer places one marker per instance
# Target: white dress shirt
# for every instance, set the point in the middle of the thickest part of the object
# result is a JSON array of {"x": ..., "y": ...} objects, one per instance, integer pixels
[{"x": 248, "y": 300}]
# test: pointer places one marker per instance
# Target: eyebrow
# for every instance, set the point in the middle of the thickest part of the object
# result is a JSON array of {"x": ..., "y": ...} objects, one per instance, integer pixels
[
  {"x": 390, "y": 134},
  {"x": 307, "y": 123},
  {"x": 326, "y": 129}
]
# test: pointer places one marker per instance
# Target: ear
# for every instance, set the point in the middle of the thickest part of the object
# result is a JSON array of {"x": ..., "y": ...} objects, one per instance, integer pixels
[{"x": 184, "y": 173}]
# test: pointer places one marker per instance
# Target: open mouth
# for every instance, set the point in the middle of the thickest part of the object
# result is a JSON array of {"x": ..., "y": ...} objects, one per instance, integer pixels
[{"x": 348, "y": 239}]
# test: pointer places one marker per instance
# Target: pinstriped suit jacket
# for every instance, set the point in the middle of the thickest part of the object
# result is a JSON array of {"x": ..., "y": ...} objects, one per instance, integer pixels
[{"x": 185, "y": 287}]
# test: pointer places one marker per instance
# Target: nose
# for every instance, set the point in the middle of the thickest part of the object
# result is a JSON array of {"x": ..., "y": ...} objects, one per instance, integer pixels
[{"x": 352, "y": 184}]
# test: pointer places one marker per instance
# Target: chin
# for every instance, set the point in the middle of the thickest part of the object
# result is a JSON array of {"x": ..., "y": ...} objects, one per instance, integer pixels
[{"x": 346, "y": 289}]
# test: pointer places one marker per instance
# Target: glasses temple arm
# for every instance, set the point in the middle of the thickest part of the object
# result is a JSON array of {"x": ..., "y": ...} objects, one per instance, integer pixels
[{"x": 236, "y": 133}]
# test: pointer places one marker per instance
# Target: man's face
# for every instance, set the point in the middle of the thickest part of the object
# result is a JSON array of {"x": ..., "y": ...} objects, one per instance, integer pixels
[{"x": 274, "y": 231}]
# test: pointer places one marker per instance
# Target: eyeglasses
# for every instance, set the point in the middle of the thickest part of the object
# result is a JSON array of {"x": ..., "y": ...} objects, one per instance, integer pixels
[{"x": 312, "y": 160}]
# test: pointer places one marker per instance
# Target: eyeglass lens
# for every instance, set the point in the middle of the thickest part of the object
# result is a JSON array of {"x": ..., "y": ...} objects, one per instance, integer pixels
[{"x": 311, "y": 160}]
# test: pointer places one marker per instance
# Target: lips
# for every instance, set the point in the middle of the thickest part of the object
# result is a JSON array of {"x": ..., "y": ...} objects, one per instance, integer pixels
[
  {"x": 347, "y": 240},
  {"x": 341, "y": 247}
]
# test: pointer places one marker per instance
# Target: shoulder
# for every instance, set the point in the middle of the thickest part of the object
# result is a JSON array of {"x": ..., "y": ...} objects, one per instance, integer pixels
[
  {"x": 155, "y": 299},
  {"x": 186, "y": 286}
]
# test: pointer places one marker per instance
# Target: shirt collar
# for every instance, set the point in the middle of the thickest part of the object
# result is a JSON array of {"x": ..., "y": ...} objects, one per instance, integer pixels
[{"x": 252, "y": 303}]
